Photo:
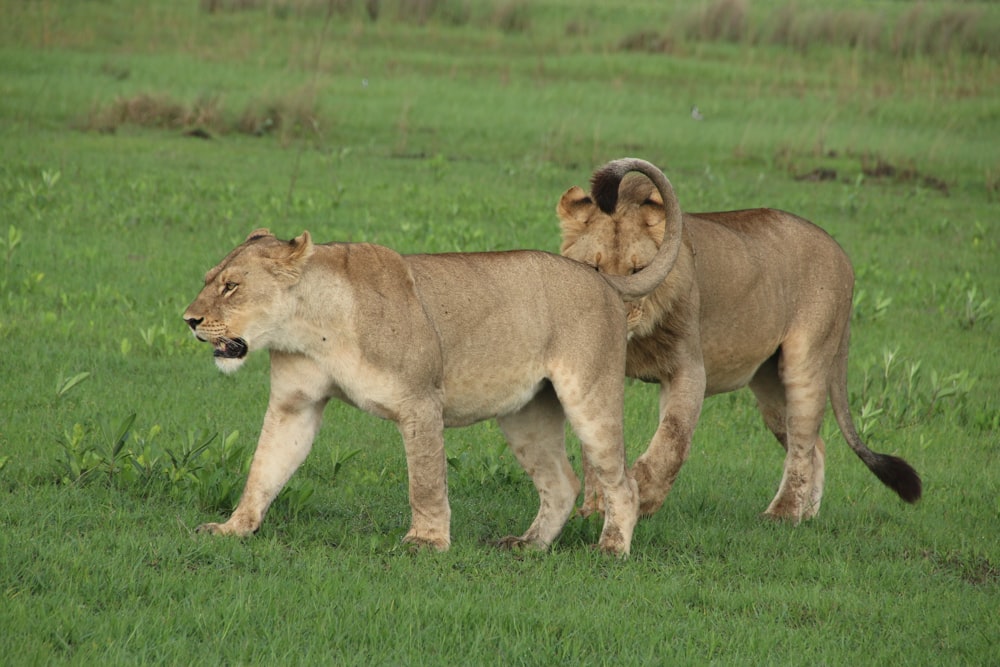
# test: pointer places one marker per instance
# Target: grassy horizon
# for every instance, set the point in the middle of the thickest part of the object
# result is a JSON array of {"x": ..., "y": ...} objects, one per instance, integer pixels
[{"x": 140, "y": 142}]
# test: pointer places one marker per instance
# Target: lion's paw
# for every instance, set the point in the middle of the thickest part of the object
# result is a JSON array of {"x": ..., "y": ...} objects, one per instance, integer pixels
[
  {"x": 593, "y": 504},
  {"x": 518, "y": 543},
  {"x": 228, "y": 528},
  {"x": 613, "y": 542},
  {"x": 510, "y": 542},
  {"x": 652, "y": 492},
  {"x": 792, "y": 518},
  {"x": 210, "y": 529},
  {"x": 417, "y": 543}
]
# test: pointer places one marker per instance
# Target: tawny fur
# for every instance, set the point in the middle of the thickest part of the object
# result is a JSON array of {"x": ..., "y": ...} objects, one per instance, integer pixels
[
  {"x": 758, "y": 298},
  {"x": 432, "y": 341}
]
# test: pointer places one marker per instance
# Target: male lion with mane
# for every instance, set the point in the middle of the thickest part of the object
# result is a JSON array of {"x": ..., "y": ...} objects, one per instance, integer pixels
[
  {"x": 433, "y": 341},
  {"x": 758, "y": 298}
]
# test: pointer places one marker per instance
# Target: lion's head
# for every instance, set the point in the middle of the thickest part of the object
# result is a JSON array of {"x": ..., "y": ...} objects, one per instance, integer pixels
[
  {"x": 239, "y": 307},
  {"x": 620, "y": 242},
  {"x": 624, "y": 225}
]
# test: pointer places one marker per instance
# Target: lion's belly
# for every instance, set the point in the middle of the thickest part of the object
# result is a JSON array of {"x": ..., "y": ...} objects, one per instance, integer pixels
[
  {"x": 722, "y": 380},
  {"x": 489, "y": 392},
  {"x": 728, "y": 366}
]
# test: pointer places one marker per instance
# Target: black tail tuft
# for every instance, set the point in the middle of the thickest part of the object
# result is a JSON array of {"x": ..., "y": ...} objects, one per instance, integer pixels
[
  {"x": 898, "y": 475},
  {"x": 604, "y": 185}
]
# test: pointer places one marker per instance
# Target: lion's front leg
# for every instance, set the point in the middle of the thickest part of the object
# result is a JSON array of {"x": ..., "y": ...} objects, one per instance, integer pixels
[
  {"x": 593, "y": 499},
  {"x": 680, "y": 406},
  {"x": 427, "y": 469},
  {"x": 285, "y": 439}
]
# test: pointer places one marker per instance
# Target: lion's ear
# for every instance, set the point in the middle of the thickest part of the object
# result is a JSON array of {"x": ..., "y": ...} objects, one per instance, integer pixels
[
  {"x": 258, "y": 234},
  {"x": 574, "y": 210},
  {"x": 302, "y": 247},
  {"x": 298, "y": 251},
  {"x": 656, "y": 201}
]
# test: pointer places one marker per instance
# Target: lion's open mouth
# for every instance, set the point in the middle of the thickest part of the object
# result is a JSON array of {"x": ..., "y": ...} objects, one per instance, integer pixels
[{"x": 230, "y": 348}]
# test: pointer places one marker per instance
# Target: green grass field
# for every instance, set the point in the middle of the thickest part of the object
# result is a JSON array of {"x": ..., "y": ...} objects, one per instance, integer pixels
[{"x": 141, "y": 141}]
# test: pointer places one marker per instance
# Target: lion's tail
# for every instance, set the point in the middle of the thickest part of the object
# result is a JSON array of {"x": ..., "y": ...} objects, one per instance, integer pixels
[
  {"x": 893, "y": 471},
  {"x": 604, "y": 190}
]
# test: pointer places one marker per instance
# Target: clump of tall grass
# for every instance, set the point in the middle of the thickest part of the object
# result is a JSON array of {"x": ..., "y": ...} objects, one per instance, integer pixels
[
  {"x": 291, "y": 114},
  {"x": 919, "y": 30},
  {"x": 287, "y": 115},
  {"x": 722, "y": 20},
  {"x": 150, "y": 110},
  {"x": 510, "y": 16}
]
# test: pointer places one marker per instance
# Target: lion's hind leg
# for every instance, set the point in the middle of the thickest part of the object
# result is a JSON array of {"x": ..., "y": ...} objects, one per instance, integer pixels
[
  {"x": 536, "y": 434},
  {"x": 770, "y": 395},
  {"x": 792, "y": 396},
  {"x": 598, "y": 423}
]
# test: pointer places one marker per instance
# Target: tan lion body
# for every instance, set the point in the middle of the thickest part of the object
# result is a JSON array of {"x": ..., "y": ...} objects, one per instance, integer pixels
[
  {"x": 432, "y": 341},
  {"x": 758, "y": 298}
]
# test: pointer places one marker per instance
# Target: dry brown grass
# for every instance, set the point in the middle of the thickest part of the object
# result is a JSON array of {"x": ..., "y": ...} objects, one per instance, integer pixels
[
  {"x": 722, "y": 20},
  {"x": 281, "y": 7},
  {"x": 288, "y": 116},
  {"x": 934, "y": 31},
  {"x": 833, "y": 27},
  {"x": 846, "y": 167},
  {"x": 649, "y": 41},
  {"x": 159, "y": 111},
  {"x": 510, "y": 16},
  {"x": 919, "y": 31}
]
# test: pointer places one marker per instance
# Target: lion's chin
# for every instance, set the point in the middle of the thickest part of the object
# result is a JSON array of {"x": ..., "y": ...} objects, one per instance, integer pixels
[
  {"x": 229, "y": 354},
  {"x": 229, "y": 365},
  {"x": 231, "y": 348}
]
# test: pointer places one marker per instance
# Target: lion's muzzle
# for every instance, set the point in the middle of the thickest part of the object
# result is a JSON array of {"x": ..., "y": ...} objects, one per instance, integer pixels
[
  {"x": 193, "y": 322},
  {"x": 225, "y": 347}
]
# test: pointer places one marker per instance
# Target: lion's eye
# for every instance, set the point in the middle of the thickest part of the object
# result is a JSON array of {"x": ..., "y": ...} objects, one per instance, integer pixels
[{"x": 229, "y": 287}]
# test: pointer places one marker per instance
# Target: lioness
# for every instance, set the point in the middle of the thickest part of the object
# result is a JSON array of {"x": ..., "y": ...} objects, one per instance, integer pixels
[
  {"x": 430, "y": 341},
  {"x": 756, "y": 297}
]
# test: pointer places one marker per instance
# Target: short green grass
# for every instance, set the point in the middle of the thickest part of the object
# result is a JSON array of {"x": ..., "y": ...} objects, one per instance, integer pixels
[{"x": 462, "y": 135}]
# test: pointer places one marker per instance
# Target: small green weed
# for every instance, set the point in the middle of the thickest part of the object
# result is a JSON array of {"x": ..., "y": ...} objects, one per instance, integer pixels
[
  {"x": 14, "y": 238},
  {"x": 963, "y": 299},
  {"x": 901, "y": 393},
  {"x": 484, "y": 463},
  {"x": 186, "y": 462},
  {"x": 977, "y": 308},
  {"x": 206, "y": 467},
  {"x": 109, "y": 448},
  {"x": 128, "y": 457},
  {"x": 151, "y": 335},
  {"x": 340, "y": 457},
  {"x": 870, "y": 308},
  {"x": 65, "y": 385},
  {"x": 76, "y": 458}
]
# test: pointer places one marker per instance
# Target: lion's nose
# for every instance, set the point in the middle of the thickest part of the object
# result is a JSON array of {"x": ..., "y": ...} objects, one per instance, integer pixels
[{"x": 193, "y": 322}]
